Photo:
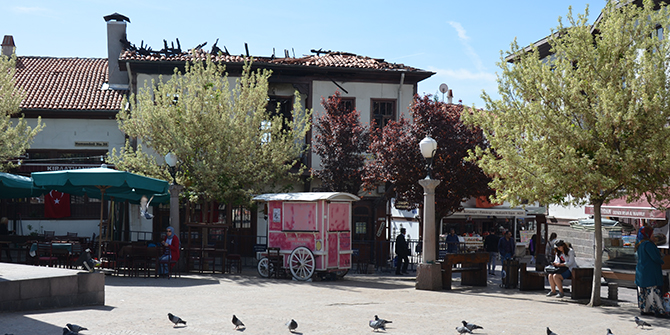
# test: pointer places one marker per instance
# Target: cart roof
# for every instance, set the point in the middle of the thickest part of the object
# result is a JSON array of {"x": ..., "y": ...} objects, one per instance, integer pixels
[{"x": 307, "y": 196}]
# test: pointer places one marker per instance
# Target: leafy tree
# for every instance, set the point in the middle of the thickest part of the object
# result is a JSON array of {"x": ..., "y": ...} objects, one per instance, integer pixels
[
  {"x": 229, "y": 145},
  {"x": 341, "y": 141},
  {"x": 588, "y": 126},
  {"x": 15, "y": 134},
  {"x": 397, "y": 159}
]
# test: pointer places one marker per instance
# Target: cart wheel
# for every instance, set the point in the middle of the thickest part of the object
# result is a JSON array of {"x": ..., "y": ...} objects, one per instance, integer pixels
[
  {"x": 340, "y": 274},
  {"x": 264, "y": 267},
  {"x": 301, "y": 263}
]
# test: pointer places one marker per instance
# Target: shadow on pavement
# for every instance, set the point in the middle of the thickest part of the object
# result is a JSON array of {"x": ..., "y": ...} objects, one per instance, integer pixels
[{"x": 161, "y": 282}]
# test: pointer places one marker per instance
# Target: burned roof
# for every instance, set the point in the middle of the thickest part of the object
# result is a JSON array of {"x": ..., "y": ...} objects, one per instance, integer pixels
[
  {"x": 72, "y": 84},
  {"x": 329, "y": 60}
]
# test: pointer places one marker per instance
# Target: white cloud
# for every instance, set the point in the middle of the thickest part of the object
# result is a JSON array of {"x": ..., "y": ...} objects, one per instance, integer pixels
[
  {"x": 464, "y": 38},
  {"x": 462, "y": 34}
]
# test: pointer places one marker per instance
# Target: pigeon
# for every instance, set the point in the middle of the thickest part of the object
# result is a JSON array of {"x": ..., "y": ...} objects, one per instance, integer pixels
[
  {"x": 549, "y": 332},
  {"x": 175, "y": 319},
  {"x": 609, "y": 332},
  {"x": 75, "y": 328},
  {"x": 377, "y": 324},
  {"x": 292, "y": 325},
  {"x": 384, "y": 322},
  {"x": 471, "y": 326},
  {"x": 68, "y": 332},
  {"x": 463, "y": 330},
  {"x": 641, "y": 323},
  {"x": 144, "y": 207},
  {"x": 237, "y": 322}
]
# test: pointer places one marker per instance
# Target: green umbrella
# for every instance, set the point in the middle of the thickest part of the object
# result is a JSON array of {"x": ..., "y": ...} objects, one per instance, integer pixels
[
  {"x": 96, "y": 182},
  {"x": 14, "y": 186}
]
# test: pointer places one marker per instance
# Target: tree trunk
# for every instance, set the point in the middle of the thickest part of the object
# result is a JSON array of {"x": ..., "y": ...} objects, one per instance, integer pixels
[{"x": 597, "y": 266}]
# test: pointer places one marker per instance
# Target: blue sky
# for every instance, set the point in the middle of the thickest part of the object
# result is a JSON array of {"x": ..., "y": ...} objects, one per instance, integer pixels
[{"x": 459, "y": 40}]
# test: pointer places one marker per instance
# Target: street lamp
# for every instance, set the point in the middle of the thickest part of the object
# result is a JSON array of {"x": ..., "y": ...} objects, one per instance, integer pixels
[
  {"x": 171, "y": 161},
  {"x": 429, "y": 273},
  {"x": 428, "y": 147}
]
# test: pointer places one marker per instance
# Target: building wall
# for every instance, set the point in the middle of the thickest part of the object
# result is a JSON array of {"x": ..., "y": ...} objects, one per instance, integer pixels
[{"x": 62, "y": 134}]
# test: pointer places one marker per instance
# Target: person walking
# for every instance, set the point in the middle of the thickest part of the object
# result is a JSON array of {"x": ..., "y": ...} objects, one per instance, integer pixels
[
  {"x": 452, "y": 242},
  {"x": 549, "y": 251},
  {"x": 648, "y": 275},
  {"x": 402, "y": 251},
  {"x": 491, "y": 246}
]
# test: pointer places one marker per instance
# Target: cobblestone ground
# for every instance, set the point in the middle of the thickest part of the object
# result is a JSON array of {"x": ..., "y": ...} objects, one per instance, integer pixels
[{"x": 140, "y": 306}]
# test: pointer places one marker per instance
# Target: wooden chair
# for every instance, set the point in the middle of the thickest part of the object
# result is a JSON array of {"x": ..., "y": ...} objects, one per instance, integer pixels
[
  {"x": 74, "y": 255},
  {"x": 49, "y": 235},
  {"x": 171, "y": 263},
  {"x": 45, "y": 254},
  {"x": 140, "y": 260},
  {"x": 234, "y": 261},
  {"x": 275, "y": 262}
]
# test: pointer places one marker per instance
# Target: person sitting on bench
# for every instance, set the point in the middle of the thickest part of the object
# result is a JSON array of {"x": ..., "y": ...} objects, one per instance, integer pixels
[{"x": 565, "y": 258}]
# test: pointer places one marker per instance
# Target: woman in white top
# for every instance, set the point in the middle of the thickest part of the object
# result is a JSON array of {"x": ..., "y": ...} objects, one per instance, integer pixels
[{"x": 565, "y": 259}]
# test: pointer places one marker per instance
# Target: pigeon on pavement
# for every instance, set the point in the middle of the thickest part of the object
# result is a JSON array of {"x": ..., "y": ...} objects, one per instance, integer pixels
[
  {"x": 75, "y": 328},
  {"x": 237, "y": 322},
  {"x": 642, "y": 323},
  {"x": 549, "y": 332},
  {"x": 463, "y": 330},
  {"x": 175, "y": 319},
  {"x": 609, "y": 332},
  {"x": 471, "y": 326},
  {"x": 383, "y": 321},
  {"x": 292, "y": 325},
  {"x": 377, "y": 324},
  {"x": 68, "y": 332}
]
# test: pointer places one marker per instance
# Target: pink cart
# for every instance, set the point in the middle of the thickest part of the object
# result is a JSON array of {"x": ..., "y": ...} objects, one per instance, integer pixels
[{"x": 311, "y": 230}]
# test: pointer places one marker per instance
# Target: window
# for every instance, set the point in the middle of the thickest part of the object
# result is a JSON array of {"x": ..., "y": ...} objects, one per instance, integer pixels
[
  {"x": 285, "y": 105},
  {"x": 347, "y": 104},
  {"x": 241, "y": 217},
  {"x": 382, "y": 112},
  {"x": 361, "y": 227}
]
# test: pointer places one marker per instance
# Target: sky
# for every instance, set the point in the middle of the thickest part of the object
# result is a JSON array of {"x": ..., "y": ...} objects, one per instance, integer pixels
[{"x": 461, "y": 41}]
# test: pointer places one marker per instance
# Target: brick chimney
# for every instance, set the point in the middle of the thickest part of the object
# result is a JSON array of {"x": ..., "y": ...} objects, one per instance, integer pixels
[
  {"x": 116, "y": 32},
  {"x": 8, "y": 46}
]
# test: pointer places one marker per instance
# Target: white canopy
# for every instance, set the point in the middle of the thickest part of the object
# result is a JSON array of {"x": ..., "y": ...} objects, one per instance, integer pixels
[{"x": 307, "y": 196}]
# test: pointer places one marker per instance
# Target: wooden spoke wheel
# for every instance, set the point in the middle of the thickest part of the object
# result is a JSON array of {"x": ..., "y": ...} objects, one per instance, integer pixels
[
  {"x": 264, "y": 267},
  {"x": 301, "y": 263}
]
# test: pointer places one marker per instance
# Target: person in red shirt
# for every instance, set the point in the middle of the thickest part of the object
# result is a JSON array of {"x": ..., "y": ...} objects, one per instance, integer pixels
[{"x": 172, "y": 242}]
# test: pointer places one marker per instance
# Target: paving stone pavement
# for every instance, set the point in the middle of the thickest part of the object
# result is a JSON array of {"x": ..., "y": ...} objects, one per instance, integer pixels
[{"x": 139, "y": 306}]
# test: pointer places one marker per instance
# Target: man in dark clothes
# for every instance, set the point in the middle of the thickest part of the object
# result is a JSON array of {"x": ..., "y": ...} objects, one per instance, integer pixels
[
  {"x": 506, "y": 246},
  {"x": 491, "y": 246},
  {"x": 402, "y": 252}
]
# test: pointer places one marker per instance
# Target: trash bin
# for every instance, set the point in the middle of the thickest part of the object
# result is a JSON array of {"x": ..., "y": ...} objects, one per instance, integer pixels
[{"x": 510, "y": 277}]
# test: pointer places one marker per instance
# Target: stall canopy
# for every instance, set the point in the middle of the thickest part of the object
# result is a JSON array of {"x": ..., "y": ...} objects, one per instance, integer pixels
[
  {"x": 98, "y": 182},
  {"x": 14, "y": 186},
  {"x": 640, "y": 209}
]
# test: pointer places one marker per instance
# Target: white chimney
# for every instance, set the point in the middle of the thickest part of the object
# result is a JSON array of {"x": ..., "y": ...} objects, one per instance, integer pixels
[
  {"x": 8, "y": 46},
  {"x": 116, "y": 32}
]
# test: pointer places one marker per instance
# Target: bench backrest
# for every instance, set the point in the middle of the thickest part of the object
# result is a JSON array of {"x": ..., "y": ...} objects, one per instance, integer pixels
[{"x": 477, "y": 257}]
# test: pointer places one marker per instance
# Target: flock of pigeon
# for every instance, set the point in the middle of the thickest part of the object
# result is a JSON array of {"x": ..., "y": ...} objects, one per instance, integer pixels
[
  {"x": 376, "y": 324},
  {"x": 292, "y": 325}
]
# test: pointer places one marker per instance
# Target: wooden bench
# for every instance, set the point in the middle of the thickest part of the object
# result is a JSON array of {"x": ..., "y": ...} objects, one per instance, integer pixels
[
  {"x": 530, "y": 280},
  {"x": 472, "y": 267},
  {"x": 581, "y": 283}
]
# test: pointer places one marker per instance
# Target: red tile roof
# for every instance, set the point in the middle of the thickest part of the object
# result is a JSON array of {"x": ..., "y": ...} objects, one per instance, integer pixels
[
  {"x": 331, "y": 59},
  {"x": 66, "y": 84}
]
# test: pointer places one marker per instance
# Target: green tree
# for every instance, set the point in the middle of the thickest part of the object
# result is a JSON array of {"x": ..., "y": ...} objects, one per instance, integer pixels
[
  {"x": 588, "y": 125},
  {"x": 229, "y": 143},
  {"x": 15, "y": 134}
]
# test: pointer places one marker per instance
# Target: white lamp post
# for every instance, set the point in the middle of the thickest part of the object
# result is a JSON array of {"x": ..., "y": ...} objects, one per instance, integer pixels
[
  {"x": 429, "y": 273},
  {"x": 171, "y": 160}
]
